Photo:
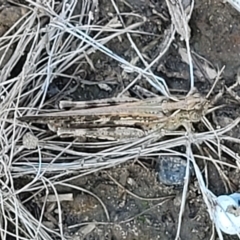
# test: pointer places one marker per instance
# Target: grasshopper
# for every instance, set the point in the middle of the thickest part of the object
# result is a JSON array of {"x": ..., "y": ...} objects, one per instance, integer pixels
[{"x": 121, "y": 119}]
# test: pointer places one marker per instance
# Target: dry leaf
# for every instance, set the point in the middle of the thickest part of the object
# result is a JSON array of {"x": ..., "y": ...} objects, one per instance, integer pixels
[
  {"x": 183, "y": 53},
  {"x": 211, "y": 72},
  {"x": 105, "y": 87}
]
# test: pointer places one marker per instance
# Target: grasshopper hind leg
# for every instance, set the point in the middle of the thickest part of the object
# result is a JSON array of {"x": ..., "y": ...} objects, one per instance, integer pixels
[{"x": 109, "y": 134}]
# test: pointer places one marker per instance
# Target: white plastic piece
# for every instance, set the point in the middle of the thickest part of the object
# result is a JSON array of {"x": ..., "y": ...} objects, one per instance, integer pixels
[
  {"x": 235, "y": 4},
  {"x": 236, "y": 198},
  {"x": 227, "y": 214}
]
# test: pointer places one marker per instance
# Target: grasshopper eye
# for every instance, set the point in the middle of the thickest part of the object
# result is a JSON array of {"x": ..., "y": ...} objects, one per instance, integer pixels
[{"x": 195, "y": 116}]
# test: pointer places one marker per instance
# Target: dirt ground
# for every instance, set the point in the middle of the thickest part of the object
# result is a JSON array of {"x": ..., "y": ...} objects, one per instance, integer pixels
[{"x": 139, "y": 205}]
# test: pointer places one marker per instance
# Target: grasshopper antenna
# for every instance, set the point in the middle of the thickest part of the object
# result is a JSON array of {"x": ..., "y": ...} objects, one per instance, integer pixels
[
  {"x": 215, "y": 82},
  {"x": 217, "y": 96}
]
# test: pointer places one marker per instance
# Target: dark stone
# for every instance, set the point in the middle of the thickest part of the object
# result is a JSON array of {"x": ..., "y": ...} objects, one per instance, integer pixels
[{"x": 172, "y": 169}]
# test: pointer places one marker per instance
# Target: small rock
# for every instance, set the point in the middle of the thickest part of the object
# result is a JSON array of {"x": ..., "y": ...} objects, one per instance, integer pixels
[{"x": 30, "y": 141}]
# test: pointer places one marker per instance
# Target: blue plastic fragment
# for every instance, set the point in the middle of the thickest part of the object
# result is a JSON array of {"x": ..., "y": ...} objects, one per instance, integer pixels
[{"x": 172, "y": 170}]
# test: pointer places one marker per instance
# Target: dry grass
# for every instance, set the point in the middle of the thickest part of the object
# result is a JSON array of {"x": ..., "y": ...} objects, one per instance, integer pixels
[{"x": 45, "y": 37}]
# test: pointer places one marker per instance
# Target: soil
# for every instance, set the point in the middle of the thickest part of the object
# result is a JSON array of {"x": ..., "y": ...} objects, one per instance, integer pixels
[{"x": 143, "y": 207}]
